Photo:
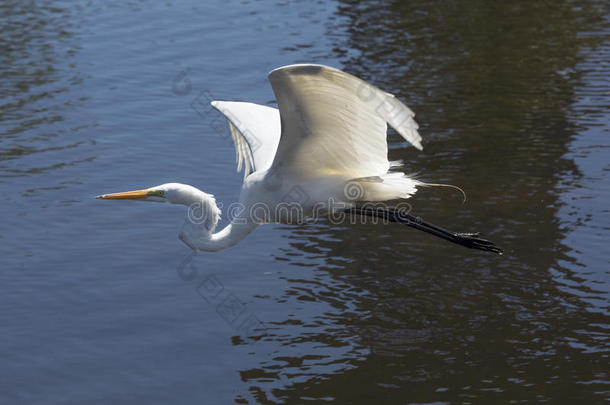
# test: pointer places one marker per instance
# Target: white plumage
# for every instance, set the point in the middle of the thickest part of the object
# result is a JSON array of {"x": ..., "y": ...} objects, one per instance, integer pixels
[
  {"x": 256, "y": 133},
  {"x": 325, "y": 150},
  {"x": 330, "y": 125}
]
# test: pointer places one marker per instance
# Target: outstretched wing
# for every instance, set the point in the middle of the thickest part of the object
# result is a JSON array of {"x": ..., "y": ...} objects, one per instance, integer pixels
[
  {"x": 335, "y": 123},
  {"x": 256, "y": 133}
]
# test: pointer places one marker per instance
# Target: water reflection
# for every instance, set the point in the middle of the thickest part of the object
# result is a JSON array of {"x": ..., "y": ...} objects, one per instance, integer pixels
[
  {"x": 492, "y": 85},
  {"x": 37, "y": 48}
]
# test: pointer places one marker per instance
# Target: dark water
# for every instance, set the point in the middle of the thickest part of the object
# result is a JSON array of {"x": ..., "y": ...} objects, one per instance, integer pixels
[{"x": 101, "y": 303}]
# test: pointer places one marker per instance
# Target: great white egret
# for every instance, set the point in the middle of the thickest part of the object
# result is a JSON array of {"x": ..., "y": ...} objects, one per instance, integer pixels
[{"x": 323, "y": 152}]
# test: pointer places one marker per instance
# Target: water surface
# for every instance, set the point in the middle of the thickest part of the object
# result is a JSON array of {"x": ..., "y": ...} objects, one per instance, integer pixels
[{"x": 100, "y": 302}]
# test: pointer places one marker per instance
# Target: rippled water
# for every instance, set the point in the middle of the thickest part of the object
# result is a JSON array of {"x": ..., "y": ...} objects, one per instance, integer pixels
[{"x": 101, "y": 302}]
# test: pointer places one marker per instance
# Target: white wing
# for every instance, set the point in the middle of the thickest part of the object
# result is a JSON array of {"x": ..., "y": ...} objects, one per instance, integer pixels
[
  {"x": 256, "y": 133},
  {"x": 335, "y": 123}
]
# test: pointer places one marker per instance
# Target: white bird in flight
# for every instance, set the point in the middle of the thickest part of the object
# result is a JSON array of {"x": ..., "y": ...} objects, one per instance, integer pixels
[{"x": 323, "y": 153}]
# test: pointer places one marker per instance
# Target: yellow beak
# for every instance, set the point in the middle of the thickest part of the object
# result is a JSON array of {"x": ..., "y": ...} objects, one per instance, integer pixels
[{"x": 128, "y": 195}]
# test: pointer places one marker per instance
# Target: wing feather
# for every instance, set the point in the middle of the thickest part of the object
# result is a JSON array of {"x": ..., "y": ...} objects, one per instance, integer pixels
[
  {"x": 333, "y": 122},
  {"x": 255, "y": 130}
]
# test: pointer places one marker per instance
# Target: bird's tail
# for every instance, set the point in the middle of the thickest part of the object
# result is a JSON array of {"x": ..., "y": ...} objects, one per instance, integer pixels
[
  {"x": 390, "y": 186},
  {"x": 421, "y": 184}
]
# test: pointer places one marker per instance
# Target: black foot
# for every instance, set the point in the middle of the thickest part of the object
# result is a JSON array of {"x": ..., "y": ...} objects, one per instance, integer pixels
[
  {"x": 469, "y": 234},
  {"x": 471, "y": 240}
]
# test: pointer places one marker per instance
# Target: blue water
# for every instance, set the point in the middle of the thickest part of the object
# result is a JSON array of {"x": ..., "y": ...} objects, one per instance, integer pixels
[{"x": 100, "y": 302}]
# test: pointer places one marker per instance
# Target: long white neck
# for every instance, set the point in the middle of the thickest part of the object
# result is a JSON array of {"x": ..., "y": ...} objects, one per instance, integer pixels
[
  {"x": 200, "y": 224},
  {"x": 229, "y": 236}
]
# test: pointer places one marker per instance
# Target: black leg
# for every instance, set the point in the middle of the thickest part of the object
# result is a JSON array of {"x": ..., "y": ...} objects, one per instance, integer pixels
[{"x": 469, "y": 240}]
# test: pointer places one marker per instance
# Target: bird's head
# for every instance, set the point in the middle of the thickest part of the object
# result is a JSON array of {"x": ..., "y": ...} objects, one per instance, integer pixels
[
  {"x": 203, "y": 213},
  {"x": 173, "y": 193}
]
